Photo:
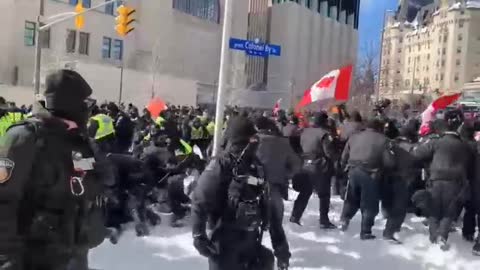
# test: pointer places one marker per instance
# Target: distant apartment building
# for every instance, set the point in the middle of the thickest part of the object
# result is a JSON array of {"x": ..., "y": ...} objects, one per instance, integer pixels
[{"x": 440, "y": 51}]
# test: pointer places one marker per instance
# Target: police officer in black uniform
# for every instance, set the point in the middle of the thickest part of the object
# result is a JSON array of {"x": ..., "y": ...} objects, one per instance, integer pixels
[
  {"x": 395, "y": 194},
  {"x": 450, "y": 169},
  {"x": 280, "y": 162},
  {"x": 232, "y": 193},
  {"x": 51, "y": 183},
  {"x": 366, "y": 155},
  {"x": 319, "y": 152}
]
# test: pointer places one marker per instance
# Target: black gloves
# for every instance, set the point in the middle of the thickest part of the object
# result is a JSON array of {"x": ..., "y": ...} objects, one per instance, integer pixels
[{"x": 204, "y": 246}]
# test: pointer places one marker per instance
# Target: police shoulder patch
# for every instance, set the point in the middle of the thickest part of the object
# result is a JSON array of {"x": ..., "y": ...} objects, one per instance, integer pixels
[{"x": 6, "y": 169}]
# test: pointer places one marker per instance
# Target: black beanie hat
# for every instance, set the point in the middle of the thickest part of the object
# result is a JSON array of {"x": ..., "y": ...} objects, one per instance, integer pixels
[
  {"x": 241, "y": 129},
  {"x": 65, "y": 95}
]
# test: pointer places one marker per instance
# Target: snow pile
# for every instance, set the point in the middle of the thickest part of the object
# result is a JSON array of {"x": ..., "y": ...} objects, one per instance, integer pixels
[
  {"x": 311, "y": 248},
  {"x": 473, "y": 4},
  {"x": 436, "y": 13}
]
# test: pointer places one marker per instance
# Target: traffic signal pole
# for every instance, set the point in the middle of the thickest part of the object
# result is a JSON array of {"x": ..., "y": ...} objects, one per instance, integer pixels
[{"x": 40, "y": 29}]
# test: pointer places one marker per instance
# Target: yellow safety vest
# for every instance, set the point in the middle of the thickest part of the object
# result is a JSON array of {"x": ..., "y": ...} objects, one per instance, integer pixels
[
  {"x": 197, "y": 133},
  {"x": 187, "y": 149},
  {"x": 105, "y": 126},
  {"x": 8, "y": 120},
  {"x": 211, "y": 129},
  {"x": 159, "y": 121}
]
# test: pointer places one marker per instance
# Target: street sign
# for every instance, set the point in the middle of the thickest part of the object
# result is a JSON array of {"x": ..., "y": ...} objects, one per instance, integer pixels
[{"x": 255, "y": 47}]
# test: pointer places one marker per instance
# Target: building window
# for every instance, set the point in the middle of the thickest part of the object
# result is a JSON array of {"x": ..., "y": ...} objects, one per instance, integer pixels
[
  {"x": 84, "y": 43},
  {"x": 428, "y": 56},
  {"x": 460, "y": 37},
  {"x": 458, "y": 62},
  {"x": 441, "y": 77},
  {"x": 408, "y": 70},
  {"x": 445, "y": 38},
  {"x": 205, "y": 9},
  {"x": 71, "y": 41},
  {"x": 30, "y": 32},
  {"x": 444, "y": 51},
  {"x": 400, "y": 40},
  {"x": 309, "y": 4},
  {"x": 462, "y": 12},
  {"x": 407, "y": 82},
  {"x": 459, "y": 50},
  {"x": 456, "y": 78},
  {"x": 118, "y": 49},
  {"x": 460, "y": 24},
  {"x": 109, "y": 9},
  {"x": 106, "y": 47},
  {"x": 409, "y": 59},
  {"x": 419, "y": 47},
  {"x": 398, "y": 71},
  {"x": 443, "y": 63},
  {"x": 399, "y": 50},
  {"x": 86, "y": 3},
  {"x": 45, "y": 38},
  {"x": 436, "y": 77}
]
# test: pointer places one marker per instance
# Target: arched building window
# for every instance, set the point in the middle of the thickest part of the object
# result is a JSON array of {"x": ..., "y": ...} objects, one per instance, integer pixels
[{"x": 205, "y": 9}]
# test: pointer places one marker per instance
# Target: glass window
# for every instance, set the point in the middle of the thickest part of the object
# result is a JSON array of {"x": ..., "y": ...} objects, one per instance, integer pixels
[
  {"x": 444, "y": 51},
  {"x": 86, "y": 3},
  {"x": 460, "y": 37},
  {"x": 460, "y": 24},
  {"x": 458, "y": 62},
  {"x": 71, "y": 41},
  {"x": 109, "y": 9},
  {"x": 206, "y": 9},
  {"x": 106, "y": 47},
  {"x": 309, "y": 4},
  {"x": 459, "y": 49},
  {"x": 118, "y": 49},
  {"x": 29, "y": 35},
  {"x": 441, "y": 77},
  {"x": 84, "y": 43}
]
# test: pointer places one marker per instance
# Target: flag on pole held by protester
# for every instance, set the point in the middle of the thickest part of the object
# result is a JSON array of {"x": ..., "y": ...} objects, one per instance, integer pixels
[
  {"x": 334, "y": 86},
  {"x": 439, "y": 104}
]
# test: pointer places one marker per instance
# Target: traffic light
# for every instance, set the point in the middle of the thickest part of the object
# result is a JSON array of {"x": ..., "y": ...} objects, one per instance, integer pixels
[
  {"x": 124, "y": 20},
  {"x": 79, "y": 19}
]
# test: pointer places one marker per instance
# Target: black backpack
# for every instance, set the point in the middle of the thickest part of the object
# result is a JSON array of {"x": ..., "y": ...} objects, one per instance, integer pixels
[{"x": 90, "y": 221}]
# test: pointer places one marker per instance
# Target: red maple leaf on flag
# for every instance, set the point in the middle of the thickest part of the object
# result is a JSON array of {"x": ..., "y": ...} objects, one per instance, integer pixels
[{"x": 325, "y": 83}]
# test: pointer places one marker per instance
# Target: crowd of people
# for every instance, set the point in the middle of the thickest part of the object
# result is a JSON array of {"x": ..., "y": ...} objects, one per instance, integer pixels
[{"x": 74, "y": 172}]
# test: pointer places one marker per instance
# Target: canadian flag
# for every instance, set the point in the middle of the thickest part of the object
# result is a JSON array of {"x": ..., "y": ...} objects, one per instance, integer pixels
[
  {"x": 439, "y": 104},
  {"x": 333, "y": 86}
]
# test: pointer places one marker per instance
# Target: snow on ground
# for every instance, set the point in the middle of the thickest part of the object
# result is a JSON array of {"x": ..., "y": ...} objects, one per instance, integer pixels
[{"x": 312, "y": 249}]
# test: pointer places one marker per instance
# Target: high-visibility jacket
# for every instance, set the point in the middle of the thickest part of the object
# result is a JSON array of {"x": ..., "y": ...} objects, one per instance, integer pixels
[
  {"x": 211, "y": 129},
  {"x": 197, "y": 133},
  {"x": 105, "y": 126},
  {"x": 187, "y": 149},
  {"x": 159, "y": 121},
  {"x": 8, "y": 120}
]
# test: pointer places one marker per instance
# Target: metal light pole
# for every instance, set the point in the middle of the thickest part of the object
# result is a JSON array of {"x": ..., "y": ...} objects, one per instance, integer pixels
[
  {"x": 223, "y": 75},
  {"x": 39, "y": 30},
  {"x": 38, "y": 50},
  {"x": 120, "y": 92}
]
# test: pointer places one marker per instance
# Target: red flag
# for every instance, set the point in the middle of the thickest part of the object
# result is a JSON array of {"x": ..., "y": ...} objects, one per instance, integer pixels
[
  {"x": 439, "y": 104},
  {"x": 333, "y": 86},
  {"x": 156, "y": 106}
]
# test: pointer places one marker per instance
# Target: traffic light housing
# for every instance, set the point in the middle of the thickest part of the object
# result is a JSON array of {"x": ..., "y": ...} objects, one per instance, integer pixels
[
  {"x": 79, "y": 19},
  {"x": 124, "y": 20}
]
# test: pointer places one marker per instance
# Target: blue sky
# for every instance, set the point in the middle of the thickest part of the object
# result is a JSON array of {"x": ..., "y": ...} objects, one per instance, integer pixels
[{"x": 371, "y": 21}]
